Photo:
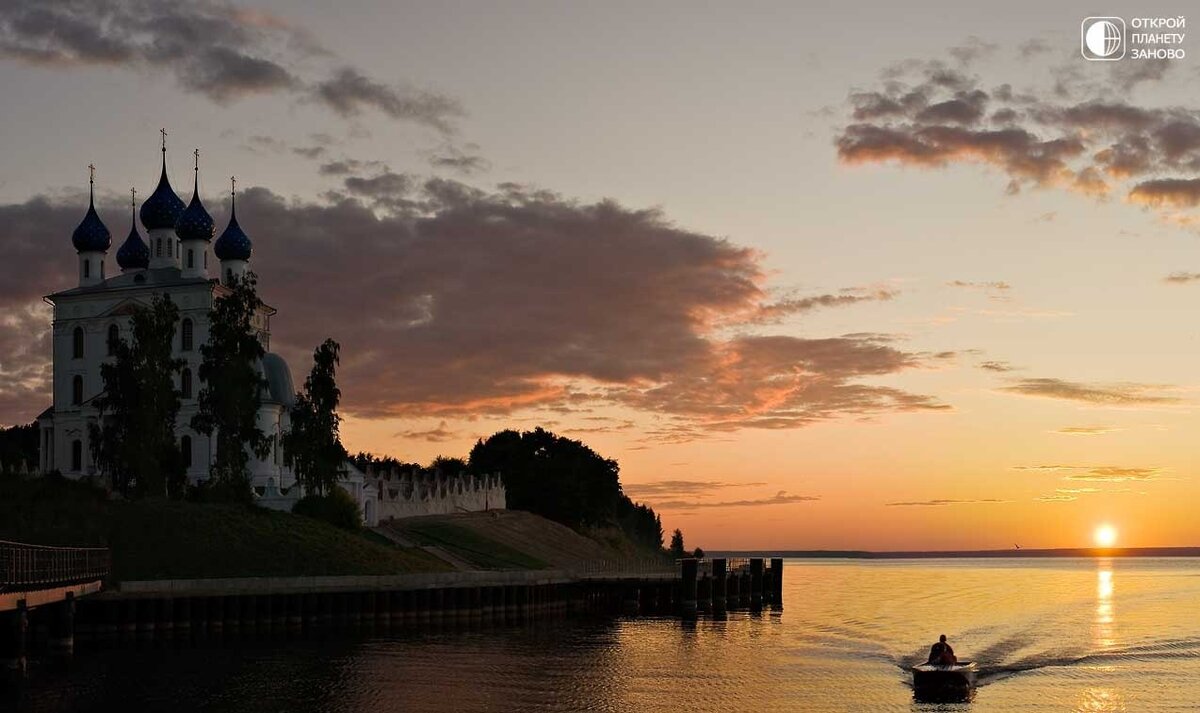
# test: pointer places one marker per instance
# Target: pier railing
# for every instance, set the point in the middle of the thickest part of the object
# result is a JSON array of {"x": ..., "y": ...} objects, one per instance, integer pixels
[
  {"x": 25, "y": 567},
  {"x": 645, "y": 565}
]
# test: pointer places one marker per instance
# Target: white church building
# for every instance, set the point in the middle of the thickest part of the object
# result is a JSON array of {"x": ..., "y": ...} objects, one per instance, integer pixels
[{"x": 178, "y": 258}]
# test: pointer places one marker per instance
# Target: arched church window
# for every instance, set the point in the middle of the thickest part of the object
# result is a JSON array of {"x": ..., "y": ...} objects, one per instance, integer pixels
[
  {"x": 114, "y": 335},
  {"x": 191, "y": 258},
  {"x": 76, "y": 390},
  {"x": 76, "y": 456},
  {"x": 77, "y": 343},
  {"x": 158, "y": 247},
  {"x": 185, "y": 383},
  {"x": 87, "y": 268},
  {"x": 186, "y": 339},
  {"x": 185, "y": 450}
]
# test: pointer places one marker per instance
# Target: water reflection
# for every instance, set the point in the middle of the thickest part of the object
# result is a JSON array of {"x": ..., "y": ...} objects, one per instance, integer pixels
[
  {"x": 1103, "y": 627},
  {"x": 1100, "y": 700},
  {"x": 1045, "y": 632}
]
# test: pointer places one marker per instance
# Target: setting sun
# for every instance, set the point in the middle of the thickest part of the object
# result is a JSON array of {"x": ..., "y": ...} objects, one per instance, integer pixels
[{"x": 1105, "y": 536}]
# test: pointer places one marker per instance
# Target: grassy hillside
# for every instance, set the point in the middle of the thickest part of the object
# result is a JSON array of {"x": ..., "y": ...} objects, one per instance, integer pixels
[
  {"x": 160, "y": 539},
  {"x": 510, "y": 539}
]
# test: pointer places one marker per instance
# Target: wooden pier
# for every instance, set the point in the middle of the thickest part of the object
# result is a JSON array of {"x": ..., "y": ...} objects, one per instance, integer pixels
[{"x": 192, "y": 611}]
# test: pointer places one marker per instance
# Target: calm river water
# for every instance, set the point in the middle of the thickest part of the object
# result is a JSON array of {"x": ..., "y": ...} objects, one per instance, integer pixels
[{"x": 1051, "y": 635}]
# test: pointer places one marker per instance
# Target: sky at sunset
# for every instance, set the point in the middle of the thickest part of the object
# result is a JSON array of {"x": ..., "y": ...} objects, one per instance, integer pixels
[{"x": 819, "y": 275}]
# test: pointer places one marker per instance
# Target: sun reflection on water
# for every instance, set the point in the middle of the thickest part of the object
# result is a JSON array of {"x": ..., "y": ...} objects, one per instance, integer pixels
[
  {"x": 1100, "y": 700},
  {"x": 1104, "y": 625}
]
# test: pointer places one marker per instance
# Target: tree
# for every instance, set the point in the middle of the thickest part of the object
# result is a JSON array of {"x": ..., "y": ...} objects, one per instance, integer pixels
[
  {"x": 640, "y": 523},
  {"x": 230, "y": 395},
  {"x": 676, "y": 549},
  {"x": 19, "y": 448},
  {"x": 698, "y": 553},
  {"x": 134, "y": 441},
  {"x": 555, "y": 477},
  {"x": 447, "y": 465},
  {"x": 312, "y": 446}
]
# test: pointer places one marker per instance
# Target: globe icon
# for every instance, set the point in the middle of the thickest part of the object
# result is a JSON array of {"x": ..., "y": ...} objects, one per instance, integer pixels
[{"x": 1103, "y": 38}]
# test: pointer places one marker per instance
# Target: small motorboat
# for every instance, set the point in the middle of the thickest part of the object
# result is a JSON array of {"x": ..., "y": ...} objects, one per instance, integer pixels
[{"x": 936, "y": 682}]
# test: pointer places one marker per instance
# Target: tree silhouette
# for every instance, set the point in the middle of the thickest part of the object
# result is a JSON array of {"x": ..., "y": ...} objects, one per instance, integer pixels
[
  {"x": 564, "y": 480},
  {"x": 230, "y": 397},
  {"x": 134, "y": 441},
  {"x": 19, "y": 447},
  {"x": 552, "y": 476},
  {"x": 312, "y": 446},
  {"x": 676, "y": 549}
]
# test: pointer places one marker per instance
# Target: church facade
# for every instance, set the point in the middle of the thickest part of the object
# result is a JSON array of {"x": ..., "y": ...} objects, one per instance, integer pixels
[{"x": 178, "y": 258}]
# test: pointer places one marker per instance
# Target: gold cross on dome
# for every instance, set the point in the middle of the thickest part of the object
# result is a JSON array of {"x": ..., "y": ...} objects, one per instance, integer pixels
[
  {"x": 163, "y": 131},
  {"x": 196, "y": 153},
  {"x": 132, "y": 196},
  {"x": 91, "y": 173}
]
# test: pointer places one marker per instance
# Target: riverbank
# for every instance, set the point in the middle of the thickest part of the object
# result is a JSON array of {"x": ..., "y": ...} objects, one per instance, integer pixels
[
  {"x": 156, "y": 538},
  {"x": 159, "y": 539},
  {"x": 515, "y": 540}
]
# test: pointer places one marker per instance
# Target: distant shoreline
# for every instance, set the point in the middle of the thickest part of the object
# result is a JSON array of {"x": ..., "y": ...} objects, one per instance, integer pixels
[{"x": 967, "y": 554}]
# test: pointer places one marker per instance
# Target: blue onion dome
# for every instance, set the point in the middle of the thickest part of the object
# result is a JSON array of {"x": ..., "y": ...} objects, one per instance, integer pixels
[
  {"x": 195, "y": 223},
  {"x": 133, "y": 253},
  {"x": 92, "y": 234},
  {"x": 163, "y": 207},
  {"x": 233, "y": 244}
]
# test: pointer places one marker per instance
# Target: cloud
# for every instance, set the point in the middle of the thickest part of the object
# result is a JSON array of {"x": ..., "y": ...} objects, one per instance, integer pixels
[
  {"x": 259, "y": 143},
  {"x": 1182, "y": 278},
  {"x": 348, "y": 91},
  {"x": 310, "y": 152},
  {"x": 1123, "y": 394},
  {"x": 1075, "y": 136},
  {"x": 1086, "y": 430},
  {"x": 440, "y": 434},
  {"x": 972, "y": 50},
  {"x": 993, "y": 285},
  {"x": 1066, "y": 495},
  {"x": 945, "y": 502},
  {"x": 450, "y": 300},
  {"x": 347, "y": 166},
  {"x": 455, "y": 159},
  {"x": 1114, "y": 474},
  {"x": 781, "y": 382},
  {"x": 680, "y": 488},
  {"x": 776, "y": 311},
  {"x": 996, "y": 366},
  {"x": 1101, "y": 474},
  {"x": 212, "y": 48},
  {"x": 1169, "y": 192},
  {"x": 780, "y": 498}
]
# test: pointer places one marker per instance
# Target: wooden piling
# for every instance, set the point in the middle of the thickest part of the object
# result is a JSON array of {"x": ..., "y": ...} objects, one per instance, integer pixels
[
  {"x": 687, "y": 598},
  {"x": 777, "y": 582},
  {"x": 756, "y": 582},
  {"x": 62, "y": 627},
  {"x": 14, "y": 640},
  {"x": 720, "y": 581}
]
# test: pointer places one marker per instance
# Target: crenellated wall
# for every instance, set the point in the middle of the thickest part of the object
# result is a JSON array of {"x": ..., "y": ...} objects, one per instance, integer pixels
[{"x": 408, "y": 494}]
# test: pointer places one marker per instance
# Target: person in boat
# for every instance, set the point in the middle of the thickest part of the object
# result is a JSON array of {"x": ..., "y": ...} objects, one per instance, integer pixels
[{"x": 941, "y": 654}]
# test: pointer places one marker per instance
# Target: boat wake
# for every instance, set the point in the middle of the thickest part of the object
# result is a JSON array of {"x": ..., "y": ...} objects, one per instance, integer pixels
[{"x": 996, "y": 661}]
